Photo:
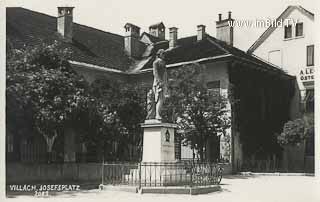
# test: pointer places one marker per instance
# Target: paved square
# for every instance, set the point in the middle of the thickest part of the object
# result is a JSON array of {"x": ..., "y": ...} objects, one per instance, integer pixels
[{"x": 234, "y": 189}]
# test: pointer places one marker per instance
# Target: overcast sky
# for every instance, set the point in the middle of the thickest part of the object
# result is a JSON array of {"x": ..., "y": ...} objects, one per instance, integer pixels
[{"x": 111, "y": 15}]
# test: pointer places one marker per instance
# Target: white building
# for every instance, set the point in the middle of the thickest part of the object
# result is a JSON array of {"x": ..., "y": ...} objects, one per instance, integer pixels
[{"x": 291, "y": 47}]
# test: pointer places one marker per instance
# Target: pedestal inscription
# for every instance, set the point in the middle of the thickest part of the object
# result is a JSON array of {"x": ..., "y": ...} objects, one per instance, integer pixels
[{"x": 158, "y": 142}]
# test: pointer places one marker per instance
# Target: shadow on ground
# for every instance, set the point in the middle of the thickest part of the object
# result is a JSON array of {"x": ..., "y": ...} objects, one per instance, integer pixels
[{"x": 239, "y": 176}]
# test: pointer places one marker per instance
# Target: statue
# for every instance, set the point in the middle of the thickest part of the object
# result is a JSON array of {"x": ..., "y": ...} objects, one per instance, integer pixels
[
  {"x": 151, "y": 105},
  {"x": 159, "y": 87}
]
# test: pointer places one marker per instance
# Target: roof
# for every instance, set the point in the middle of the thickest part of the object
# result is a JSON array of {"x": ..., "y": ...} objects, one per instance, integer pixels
[
  {"x": 101, "y": 49},
  {"x": 153, "y": 39},
  {"x": 157, "y": 25},
  {"x": 271, "y": 28},
  {"x": 189, "y": 49},
  {"x": 89, "y": 45},
  {"x": 131, "y": 25}
]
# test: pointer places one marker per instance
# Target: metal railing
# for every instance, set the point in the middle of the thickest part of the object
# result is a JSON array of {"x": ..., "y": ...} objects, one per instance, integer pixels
[{"x": 153, "y": 174}]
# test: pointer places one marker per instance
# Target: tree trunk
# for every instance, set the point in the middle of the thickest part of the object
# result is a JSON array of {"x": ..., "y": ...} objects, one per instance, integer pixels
[{"x": 50, "y": 142}]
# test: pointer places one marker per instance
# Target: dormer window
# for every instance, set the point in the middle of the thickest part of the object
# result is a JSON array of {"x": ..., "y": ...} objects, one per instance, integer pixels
[
  {"x": 288, "y": 32},
  {"x": 299, "y": 29}
]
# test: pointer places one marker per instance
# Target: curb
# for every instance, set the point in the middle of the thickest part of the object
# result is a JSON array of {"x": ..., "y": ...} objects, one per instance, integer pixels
[
  {"x": 180, "y": 190},
  {"x": 276, "y": 174}
]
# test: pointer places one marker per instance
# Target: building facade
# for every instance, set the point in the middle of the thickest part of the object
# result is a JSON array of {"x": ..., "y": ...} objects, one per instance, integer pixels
[{"x": 292, "y": 48}]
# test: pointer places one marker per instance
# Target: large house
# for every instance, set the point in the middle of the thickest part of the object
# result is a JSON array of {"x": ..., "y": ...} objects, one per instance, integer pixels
[
  {"x": 266, "y": 94},
  {"x": 292, "y": 48}
]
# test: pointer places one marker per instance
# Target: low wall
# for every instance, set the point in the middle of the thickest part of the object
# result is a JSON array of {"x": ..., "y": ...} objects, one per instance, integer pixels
[{"x": 17, "y": 173}]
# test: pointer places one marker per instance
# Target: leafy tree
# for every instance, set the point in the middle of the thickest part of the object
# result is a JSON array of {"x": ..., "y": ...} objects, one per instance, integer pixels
[
  {"x": 123, "y": 113},
  {"x": 200, "y": 113},
  {"x": 296, "y": 131},
  {"x": 45, "y": 95},
  {"x": 44, "y": 90}
]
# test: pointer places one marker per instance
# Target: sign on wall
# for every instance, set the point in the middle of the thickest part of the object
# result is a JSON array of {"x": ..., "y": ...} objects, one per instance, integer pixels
[{"x": 306, "y": 74}]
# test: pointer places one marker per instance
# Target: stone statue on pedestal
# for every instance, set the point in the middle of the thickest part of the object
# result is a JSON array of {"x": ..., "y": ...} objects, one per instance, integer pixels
[
  {"x": 158, "y": 136},
  {"x": 159, "y": 87}
]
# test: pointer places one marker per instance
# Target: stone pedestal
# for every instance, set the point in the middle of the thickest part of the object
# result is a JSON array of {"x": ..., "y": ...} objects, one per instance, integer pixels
[{"x": 158, "y": 141}]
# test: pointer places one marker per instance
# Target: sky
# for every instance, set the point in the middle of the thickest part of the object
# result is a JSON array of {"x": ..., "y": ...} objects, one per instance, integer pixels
[{"x": 111, "y": 15}]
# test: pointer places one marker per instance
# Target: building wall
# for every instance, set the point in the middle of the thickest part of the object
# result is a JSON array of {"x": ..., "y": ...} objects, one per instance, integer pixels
[
  {"x": 218, "y": 71},
  {"x": 293, "y": 59},
  {"x": 292, "y": 52},
  {"x": 215, "y": 71}
]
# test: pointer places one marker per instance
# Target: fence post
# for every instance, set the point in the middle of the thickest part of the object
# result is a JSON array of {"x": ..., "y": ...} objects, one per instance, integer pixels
[
  {"x": 102, "y": 171},
  {"x": 139, "y": 175},
  {"x": 191, "y": 175}
]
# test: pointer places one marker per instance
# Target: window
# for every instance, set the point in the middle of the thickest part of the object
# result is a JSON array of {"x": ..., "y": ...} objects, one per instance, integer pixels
[
  {"x": 288, "y": 31},
  {"x": 214, "y": 88},
  {"x": 299, "y": 29},
  {"x": 310, "y": 55}
]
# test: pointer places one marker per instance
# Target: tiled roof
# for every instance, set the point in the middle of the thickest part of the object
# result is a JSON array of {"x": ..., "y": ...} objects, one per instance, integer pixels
[
  {"x": 159, "y": 24},
  {"x": 152, "y": 38},
  {"x": 89, "y": 45},
  {"x": 96, "y": 47},
  {"x": 189, "y": 49}
]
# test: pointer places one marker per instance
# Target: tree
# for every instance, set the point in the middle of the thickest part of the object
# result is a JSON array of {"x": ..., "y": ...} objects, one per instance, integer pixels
[
  {"x": 201, "y": 114},
  {"x": 296, "y": 131},
  {"x": 124, "y": 111},
  {"x": 45, "y": 96},
  {"x": 42, "y": 87}
]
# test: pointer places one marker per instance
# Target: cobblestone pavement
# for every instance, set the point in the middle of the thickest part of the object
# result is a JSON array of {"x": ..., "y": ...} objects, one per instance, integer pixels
[{"x": 234, "y": 189}]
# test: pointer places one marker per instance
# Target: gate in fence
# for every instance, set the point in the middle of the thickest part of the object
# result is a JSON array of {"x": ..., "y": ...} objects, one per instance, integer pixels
[{"x": 161, "y": 174}]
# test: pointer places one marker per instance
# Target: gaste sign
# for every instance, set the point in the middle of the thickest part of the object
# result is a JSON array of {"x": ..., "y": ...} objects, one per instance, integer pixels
[{"x": 306, "y": 74}]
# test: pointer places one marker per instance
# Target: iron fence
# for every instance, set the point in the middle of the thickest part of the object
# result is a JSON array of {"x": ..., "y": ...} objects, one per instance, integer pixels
[{"x": 153, "y": 174}]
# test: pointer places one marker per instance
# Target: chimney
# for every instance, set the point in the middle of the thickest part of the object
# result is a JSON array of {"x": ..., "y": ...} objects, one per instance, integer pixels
[
  {"x": 201, "y": 32},
  {"x": 65, "y": 22},
  {"x": 158, "y": 30},
  {"x": 132, "y": 45},
  {"x": 173, "y": 37},
  {"x": 224, "y": 31}
]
